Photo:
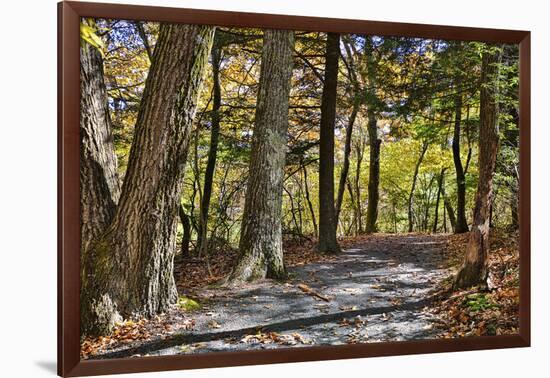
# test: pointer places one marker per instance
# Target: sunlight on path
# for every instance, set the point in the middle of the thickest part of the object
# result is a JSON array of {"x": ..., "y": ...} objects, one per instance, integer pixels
[{"x": 376, "y": 291}]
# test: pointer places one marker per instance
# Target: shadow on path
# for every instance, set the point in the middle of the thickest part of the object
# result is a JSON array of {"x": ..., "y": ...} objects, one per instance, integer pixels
[
  {"x": 180, "y": 339},
  {"x": 384, "y": 282}
]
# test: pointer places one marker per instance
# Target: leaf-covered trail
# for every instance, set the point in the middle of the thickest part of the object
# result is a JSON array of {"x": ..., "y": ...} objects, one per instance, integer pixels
[{"x": 375, "y": 291}]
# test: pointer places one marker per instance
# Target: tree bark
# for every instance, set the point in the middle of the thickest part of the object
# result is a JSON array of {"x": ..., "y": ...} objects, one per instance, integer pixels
[
  {"x": 129, "y": 268},
  {"x": 347, "y": 152},
  {"x": 440, "y": 183},
  {"x": 308, "y": 200},
  {"x": 260, "y": 246},
  {"x": 360, "y": 150},
  {"x": 212, "y": 152},
  {"x": 357, "y": 101},
  {"x": 353, "y": 223},
  {"x": 461, "y": 223},
  {"x": 186, "y": 237},
  {"x": 143, "y": 35},
  {"x": 293, "y": 210},
  {"x": 99, "y": 183},
  {"x": 413, "y": 186},
  {"x": 374, "y": 174},
  {"x": 514, "y": 209},
  {"x": 327, "y": 214},
  {"x": 444, "y": 218},
  {"x": 449, "y": 209},
  {"x": 474, "y": 269}
]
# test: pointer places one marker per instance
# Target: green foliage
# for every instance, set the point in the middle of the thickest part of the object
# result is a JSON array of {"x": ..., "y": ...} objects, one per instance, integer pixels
[
  {"x": 409, "y": 84},
  {"x": 478, "y": 302}
]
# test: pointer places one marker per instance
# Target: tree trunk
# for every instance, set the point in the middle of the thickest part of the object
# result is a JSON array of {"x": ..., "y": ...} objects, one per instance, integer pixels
[
  {"x": 293, "y": 211},
  {"x": 449, "y": 208},
  {"x": 99, "y": 184},
  {"x": 444, "y": 218},
  {"x": 141, "y": 32},
  {"x": 514, "y": 208},
  {"x": 308, "y": 200},
  {"x": 129, "y": 269},
  {"x": 461, "y": 223},
  {"x": 394, "y": 215},
  {"x": 260, "y": 246},
  {"x": 474, "y": 269},
  {"x": 347, "y": 152},
  {"x": 374, "y": 174},
  {"x": 186, "y": 237},
  {"x": 511, "y": 137},
  {"x": 327, "y": 214},
  {"x": 212, "y": 153},
  {"x": 358, "y": 209},
  {"x": 440, "y": 183},
  {"x": 413, "y": 186},
  {"x": 427, "y": 204},
  {"x": 354, "y": 222}
]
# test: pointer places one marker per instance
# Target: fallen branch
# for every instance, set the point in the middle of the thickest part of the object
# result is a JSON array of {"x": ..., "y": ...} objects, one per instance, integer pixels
[{"x": 306, "y": 289}]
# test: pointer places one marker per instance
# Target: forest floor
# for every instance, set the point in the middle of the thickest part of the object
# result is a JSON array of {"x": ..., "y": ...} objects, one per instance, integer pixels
[{"x": 381, "y": 288}]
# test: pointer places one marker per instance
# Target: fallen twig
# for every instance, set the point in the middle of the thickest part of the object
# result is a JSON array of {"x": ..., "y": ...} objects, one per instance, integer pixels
[{"x": 306, "y": 289}]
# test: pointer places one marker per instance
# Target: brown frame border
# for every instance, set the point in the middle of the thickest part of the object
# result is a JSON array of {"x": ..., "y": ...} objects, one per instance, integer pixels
[{"x": 69, "y": 363}]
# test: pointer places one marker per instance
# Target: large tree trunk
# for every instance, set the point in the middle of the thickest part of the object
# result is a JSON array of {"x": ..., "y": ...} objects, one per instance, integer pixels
[
  {"x": 327, "y": 214},
  {"x": 374, "y": 174},
  {"x": 474, "y": 269},
  {"x": 461, "y": 223},
  {"x": 413, "y": 186},
  {"x": 129, "y": 269},
  {"x": 99, "y": 184},
  {"x": 212, "y": 152},
  {"x": 261, "y": 246}
]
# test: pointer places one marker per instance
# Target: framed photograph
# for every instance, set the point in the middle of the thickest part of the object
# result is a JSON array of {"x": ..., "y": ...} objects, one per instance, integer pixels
[{"x": 240, "y": 188}]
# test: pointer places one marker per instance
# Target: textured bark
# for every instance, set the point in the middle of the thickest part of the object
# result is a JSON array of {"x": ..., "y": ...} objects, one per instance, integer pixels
[
  {"x": 212, "y": 152},
  {"x": 413, "y": 186},
  {"x": 261, "y": 246},
  {"x": 130, "y": 266},
  {"x": 374, "y": 174},
  {"x": 99, "y": 184},
  {"x": 461, "y": 223},
  {"x": 347, "y": 152},
  {"x": 327, "y": 213},
  {"x": 474, "y": 269}
]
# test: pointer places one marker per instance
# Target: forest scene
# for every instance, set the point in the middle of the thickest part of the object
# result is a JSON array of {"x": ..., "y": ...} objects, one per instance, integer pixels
[{"x": 246, "y": 189}]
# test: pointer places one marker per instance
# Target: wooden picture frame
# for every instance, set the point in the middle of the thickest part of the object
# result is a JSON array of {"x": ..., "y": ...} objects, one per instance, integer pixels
[{"x": 69, "y": 362}]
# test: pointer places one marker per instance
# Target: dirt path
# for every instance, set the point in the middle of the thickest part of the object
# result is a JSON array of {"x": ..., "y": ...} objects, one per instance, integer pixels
[{"x": 376, "y": 290}]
